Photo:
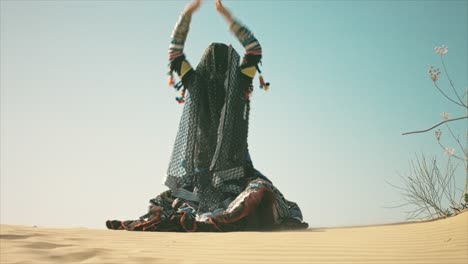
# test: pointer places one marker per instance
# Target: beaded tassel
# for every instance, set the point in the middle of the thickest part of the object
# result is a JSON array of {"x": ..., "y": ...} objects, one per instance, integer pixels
[
  {"x": 171, "y": 80},
  {"x": 263, "y": 85},
  {"x": 177, "y": 86},
  {"x": 181, "y": 99}
]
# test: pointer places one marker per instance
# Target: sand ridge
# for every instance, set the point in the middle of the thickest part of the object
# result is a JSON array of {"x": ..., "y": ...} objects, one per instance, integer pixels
[{"x": 444, "y": 241}]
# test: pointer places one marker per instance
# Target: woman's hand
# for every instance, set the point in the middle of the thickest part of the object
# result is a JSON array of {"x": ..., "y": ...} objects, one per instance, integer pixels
[
  {"x": 223, "y": 11},
  {"x": 193, "y": 6}
]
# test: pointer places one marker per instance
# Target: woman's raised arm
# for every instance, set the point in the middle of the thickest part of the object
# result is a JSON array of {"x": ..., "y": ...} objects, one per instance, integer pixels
[
  {"x": 179, "y": 35},
  {"x": 243, "y": 34},
  {"x": 253, "y": 50}
]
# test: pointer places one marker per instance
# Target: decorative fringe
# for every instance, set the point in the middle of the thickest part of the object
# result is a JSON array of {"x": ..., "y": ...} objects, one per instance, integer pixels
[
  {"x": 177, "y": 86},
  {"x": 263, "y": 85},
  {"x": 181, "y": 99},
  {"x": 171, "y": 80}
]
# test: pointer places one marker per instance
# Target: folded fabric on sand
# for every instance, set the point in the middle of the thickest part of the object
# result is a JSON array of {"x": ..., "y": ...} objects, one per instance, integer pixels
[{"x": 259, "y": 207}]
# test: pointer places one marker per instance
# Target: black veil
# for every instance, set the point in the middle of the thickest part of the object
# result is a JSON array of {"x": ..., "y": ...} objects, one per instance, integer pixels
[{"x": 210, "y": 160}]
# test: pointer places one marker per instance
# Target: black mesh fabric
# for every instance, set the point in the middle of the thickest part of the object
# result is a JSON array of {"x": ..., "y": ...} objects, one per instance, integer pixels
[{"x": 210, "y": 158}]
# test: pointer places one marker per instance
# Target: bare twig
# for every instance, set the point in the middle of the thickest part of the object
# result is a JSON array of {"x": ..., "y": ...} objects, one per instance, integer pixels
[
  {"x": 451, "y": 83},
  {"x": 445, "y": 121},
  {"x": 446, "y": 96},
  {"x": 454, "y": 155},
  {"x": 457, "y": 139},
  {"x": 428, "y": 189}
]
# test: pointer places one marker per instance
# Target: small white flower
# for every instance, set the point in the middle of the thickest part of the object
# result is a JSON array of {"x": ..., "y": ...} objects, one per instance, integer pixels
[
  {"x": 442, "y": 50},
  {"x": 445, "y": 116},
  {"x": 449, "y": 151},
  {"x": 434, "y": 73}
]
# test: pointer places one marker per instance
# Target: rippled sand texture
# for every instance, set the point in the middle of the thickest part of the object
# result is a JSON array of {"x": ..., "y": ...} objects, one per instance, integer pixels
[{"x": 443, "y": 241}]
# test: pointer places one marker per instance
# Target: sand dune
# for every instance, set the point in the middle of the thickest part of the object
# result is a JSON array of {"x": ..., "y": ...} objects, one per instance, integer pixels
[{"x": 443, "y": 241}]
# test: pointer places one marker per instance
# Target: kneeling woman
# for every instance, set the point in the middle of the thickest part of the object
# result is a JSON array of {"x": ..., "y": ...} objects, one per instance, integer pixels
[{"x": 213, "y": 185}]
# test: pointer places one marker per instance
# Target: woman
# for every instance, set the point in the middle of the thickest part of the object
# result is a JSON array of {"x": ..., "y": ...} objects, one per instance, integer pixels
[{"x": 213, "y": 183}]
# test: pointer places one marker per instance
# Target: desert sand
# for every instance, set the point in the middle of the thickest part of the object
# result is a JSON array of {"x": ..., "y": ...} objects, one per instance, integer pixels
[{"x": 443, "y": 241}]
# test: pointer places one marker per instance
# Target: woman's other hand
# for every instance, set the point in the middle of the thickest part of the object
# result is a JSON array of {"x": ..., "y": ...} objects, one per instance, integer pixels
[
  {"x": 193, "y": 6},
  {"x": 223, "y": 11}
]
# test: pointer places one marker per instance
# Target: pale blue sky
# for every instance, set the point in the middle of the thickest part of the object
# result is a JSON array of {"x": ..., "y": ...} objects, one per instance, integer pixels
[{"x": 88, "y": 122}]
